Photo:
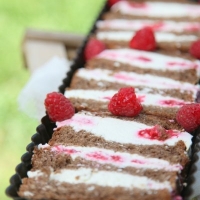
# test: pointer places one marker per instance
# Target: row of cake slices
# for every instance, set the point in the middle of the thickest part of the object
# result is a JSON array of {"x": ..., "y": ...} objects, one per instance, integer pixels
[
  {"x": 95, "y": 155},
  {"x": 175, "y": 25},
  {"x": 162, "y": 83},
  {"x": 99, "y": 152},
  {"x": 175, "y": 11}
]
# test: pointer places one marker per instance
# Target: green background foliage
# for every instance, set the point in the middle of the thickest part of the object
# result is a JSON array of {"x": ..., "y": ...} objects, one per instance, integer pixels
[{"x": 16, "y": 129}]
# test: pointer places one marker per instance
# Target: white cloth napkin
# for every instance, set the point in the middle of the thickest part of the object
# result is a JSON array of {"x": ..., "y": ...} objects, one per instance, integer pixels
[{"x": 44, "y": 80}]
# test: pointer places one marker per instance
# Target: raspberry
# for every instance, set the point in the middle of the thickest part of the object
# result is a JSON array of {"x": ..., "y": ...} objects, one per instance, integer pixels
[
  {"x": 143, "y": 39},
  {"x": 112, "y": 2},
  {"x": 195, "y": 49},
  {"x": 93, "y": 48},
  {"x": 188, "y": 116},
  {"x": 125, "y": 103},
  {"x": 58, "y": 107},
  {"x": 157, "y": 132}
]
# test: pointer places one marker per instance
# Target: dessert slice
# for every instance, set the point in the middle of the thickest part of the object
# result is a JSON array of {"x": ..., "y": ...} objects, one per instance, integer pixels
[
  {"x": 97, "y": 100},
  {"x": 107, "y": 79},
  {"x": 156, "y": 11},
  {"x": 144, "y": 62},
  {"x": 167, "y": 26},
  {"x": 164, "y": 41},
  {"x": 100, "y": 156}
]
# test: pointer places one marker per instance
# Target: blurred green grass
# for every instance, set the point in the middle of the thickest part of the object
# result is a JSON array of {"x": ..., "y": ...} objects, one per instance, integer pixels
[{"x": 16, "y": 128}]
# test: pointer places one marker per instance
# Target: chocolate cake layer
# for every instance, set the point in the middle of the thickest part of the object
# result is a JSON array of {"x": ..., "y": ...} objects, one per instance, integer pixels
[
  {"x": 106, "y": 79},
  {"x": 144, "y": 62}
]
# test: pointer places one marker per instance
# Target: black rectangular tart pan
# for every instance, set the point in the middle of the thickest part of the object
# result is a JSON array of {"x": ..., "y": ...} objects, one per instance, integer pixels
[{"x": 45, "y": 130}]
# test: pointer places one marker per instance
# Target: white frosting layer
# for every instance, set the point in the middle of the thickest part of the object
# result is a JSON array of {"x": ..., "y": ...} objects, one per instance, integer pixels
[
  {"x": 120, "y": 131},
  {"x": 157, "y": 9},
  {"x": 32, "y": 174},
  {"x": 28, "y": 194},
  {"x": 145, "y": 59},
  {"x": 145, "y": 98},
  {"x": 117, "y": 159},
  {"x": 133, "y": 79},
  {"x": 159, "y": 36},
  {"x": 135, "y": 25},
  {"x": 113, "y": 179}
]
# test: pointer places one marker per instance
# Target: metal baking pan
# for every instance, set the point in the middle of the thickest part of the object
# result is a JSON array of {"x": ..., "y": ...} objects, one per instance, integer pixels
[{"x": 45, "y": 129}]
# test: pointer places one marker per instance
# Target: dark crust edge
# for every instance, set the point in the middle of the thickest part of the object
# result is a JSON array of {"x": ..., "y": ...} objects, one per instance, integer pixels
[
  {"x": 45, "y": 131},
  {"x": 187, "y": 192}
]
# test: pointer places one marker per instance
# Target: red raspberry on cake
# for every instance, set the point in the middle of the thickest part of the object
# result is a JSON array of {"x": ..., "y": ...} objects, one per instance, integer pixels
[
  {"x": 58, "y": 107},
  {"x": 125, "y": 103},
  {"x": 188, "y": 116},
  {"x": 112, "y": 2},
  {"x": 195, "y": 49},
  {"x": 143, "y": 39},
  {"x": 93, "y": 48}
]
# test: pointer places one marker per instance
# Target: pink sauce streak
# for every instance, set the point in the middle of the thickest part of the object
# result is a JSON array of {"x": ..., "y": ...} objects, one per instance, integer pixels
[
  {"x": 138, "y": 161},
  {"x": 115, "y": 158},
  {"x": 195, "y": 10},
  {"x": 172, "y": 102},
  {"x": 156, "y": 26},
  {"x": 125, "y": 77},
  {"x": 141, "y": 98},
  {"x": 98, "y": 156},
  {"x": 115, "y": 55},
  {"x": 79, "y": 120},
  {"x": 60, "y": 149},
  {"x": 107, "y": 98},
  {"x": 157, "y": 133},
  {"x": 182, "y": 64},
  {"x": 138, "y": 5},
  {"x": 145, "y": 59},
  {"x": 193, "y": 27}
]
